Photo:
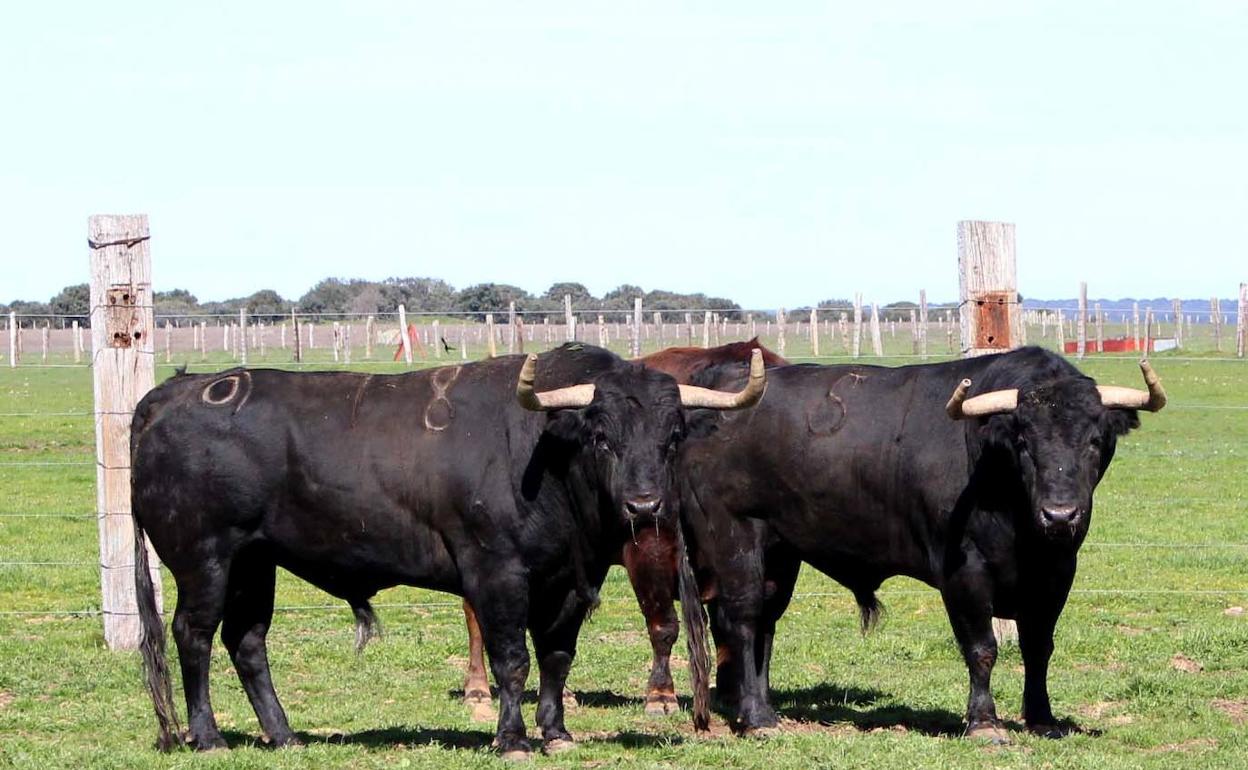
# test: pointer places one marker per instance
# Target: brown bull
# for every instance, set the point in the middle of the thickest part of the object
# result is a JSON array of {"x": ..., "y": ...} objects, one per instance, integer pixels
[{"x": 649, "y": 559}]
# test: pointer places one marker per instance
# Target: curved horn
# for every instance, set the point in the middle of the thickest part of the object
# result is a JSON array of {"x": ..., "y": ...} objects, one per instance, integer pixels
[
  {"x": 572, "y": 397},
  {"x": 706, "y": 398},
  {"x": 984, "y": 405},
  {"x": 1114, "y": 396}
]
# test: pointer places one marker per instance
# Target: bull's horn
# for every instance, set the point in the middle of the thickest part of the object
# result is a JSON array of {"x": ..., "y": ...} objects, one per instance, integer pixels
[
  {"x": 994, "y": 402},
  {"x": 706, "y": 398},
  {"x": 573, "y": 397},
  {"x": 1151, "y": 400}
]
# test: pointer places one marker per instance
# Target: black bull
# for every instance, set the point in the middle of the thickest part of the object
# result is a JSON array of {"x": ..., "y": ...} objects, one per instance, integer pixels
[
  {"x": 866, "y": 472},
  {"x": 437, "y": 478}
]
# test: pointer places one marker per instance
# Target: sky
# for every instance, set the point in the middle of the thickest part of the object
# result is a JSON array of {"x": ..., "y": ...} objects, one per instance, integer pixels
[{"x": 773, "y": 153}]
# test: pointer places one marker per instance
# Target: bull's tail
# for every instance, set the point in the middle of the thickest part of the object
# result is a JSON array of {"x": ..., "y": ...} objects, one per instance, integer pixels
[
  {"x": 695, "y": 635},
  {"x": 869, "y": 610},
  {"x": 367, "y": 625},
  {"x": 152, "y": 647}
]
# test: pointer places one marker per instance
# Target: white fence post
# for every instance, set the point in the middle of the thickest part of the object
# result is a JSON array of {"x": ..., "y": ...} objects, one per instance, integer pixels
[{"x": 123, "y": 370}]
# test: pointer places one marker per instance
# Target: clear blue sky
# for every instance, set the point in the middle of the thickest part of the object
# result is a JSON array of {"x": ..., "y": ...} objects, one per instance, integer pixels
[{"x": 776, "y": 153}]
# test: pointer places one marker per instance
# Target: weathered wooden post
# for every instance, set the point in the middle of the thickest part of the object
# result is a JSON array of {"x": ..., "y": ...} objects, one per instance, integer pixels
[
  {"x": 569, "y": 320},
  {"x": 988, "y": 287},
  {"x": 242, "y": 335},
  {"x": 77, "y": 342},
  {"x": 1061, "y": 333},
  {"x": 369, "y": 323},
  {"x": 489, "y": 333},
  {"x": 260, "y": 337},
  {"x": 43, "y": 341},
  {"x": 636, "y": 327},
  {"x": 603, "y": 335},
  {"x": 294, "y": 328},
  {"x": 511, "y": 326},
  {"x": 436, "y": 342},
  {"x": 13, "y": 355},
  {"x": 856, "y": 343},
  {"x": 405, "y": 340},
  {"x": 989, "y": 315},
  {"x": 1081, "y": 322},
  {"x": 1178, "y": 323},
  {"x": 877, "y": 345},
  {"x": 1135, "y": 325},
  {"x": 923, "y": 322},
  {"x": 658, "y": 326},
  {"x": 1241, "y": 321},
  {"x": 1100, "y": 328},
  {"x": 168, "y": 341},
  {"x": 1215, "y": 318},
  {"x": 122, "y": 327},
  {"x": 814, "y": 332},
  {"x": 706, "y": 330},
  {"x": 781, "y": 322}
]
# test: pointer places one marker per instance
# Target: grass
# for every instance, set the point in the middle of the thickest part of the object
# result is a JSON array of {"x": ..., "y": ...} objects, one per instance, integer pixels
[{"x": 1149, "y": 662}]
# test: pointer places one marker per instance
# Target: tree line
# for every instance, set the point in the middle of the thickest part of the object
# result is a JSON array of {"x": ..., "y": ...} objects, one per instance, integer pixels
[{"x": 339, "y": 296}]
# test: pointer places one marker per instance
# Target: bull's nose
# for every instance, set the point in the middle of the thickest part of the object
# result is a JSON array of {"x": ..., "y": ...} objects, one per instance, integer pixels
[
  {"x": 1060, "y": 514},
  {"x": 644, "y": 505}
]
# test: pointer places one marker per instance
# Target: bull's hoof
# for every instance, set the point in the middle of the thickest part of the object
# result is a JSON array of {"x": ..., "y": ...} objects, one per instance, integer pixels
[
  {"x": 207, "y": 743},
  {"x": 1048, "y": 731},
  {"x": 482, "y": 712},
  {"x": 569, "y": 699},
  {"x": 517, "y": 755},
  {"x": 282, "y": 742},
  {"x": 558, "y": 746},
  {"x": 760, "y": 732},
  {"x": 987, "y": 731},
  {"x": 661, "y": 704},
  {"x": 476, "y": 696}
]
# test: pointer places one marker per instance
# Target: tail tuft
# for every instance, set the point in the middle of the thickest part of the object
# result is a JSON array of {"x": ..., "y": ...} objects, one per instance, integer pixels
[
  {"x": 367, "y": 624},
  {"x": 152, "y": 648},
  {"x": 869, "y": 610}
]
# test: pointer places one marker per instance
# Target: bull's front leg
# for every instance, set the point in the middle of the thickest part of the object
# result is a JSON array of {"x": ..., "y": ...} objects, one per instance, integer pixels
[
  {"x": 968, "y": 603},
  {"x": 650, "y": 560},
  {"x": 1037, "y": 620},
  {"x": 554, "y": 643},
  {"x": 502, "y": 609}
]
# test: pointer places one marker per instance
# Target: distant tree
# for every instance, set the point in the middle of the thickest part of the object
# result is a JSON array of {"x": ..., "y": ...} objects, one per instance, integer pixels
[
  {"x": 368, "y": 300},
  {"x": 267, "y": 305},
  {"x": 330, "y": 295},
  {"x": 835, "y": 304},
  {"x": 428, "y": 295},
  {"x": 490, "y": 298},
  {"x": 581, "y": 298},
  {"x": 72, "y": 301},
  {"x": 24, "y": 307},
  {"x": 176, "y": 302}
]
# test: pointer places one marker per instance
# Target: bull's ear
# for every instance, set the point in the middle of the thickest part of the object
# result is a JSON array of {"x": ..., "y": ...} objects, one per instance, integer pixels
[
  {"x": 700, "y": 423},
  {"x": 1122, "y": 421},
  {"x": 998, "y": 431},
  {"x": 568, "y": 425}
]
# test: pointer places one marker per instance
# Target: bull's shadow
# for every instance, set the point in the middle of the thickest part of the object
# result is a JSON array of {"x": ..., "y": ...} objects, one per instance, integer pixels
[
  {"x": 592, "y": 698},
  {"x": 863, "y": 708},
  {"x": 470, "y": 739}
]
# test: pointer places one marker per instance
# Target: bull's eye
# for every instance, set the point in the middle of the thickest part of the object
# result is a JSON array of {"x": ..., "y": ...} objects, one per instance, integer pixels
[{"x": 600, "y": 441}]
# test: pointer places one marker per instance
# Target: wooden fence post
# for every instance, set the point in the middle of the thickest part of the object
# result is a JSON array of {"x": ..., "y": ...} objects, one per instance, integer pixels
[
  {"x": 43, "y": 341},
  {"x": 294, "y": 327},
  {"x": 1061, "y": 333},
  {"x": 1148, "y": 332},
  {"x": 636, "y": 327},
  {"x": 877, "y": 346},
  {"x": 1100, "y": 328},
  {"x": 242, "y": 334},
  {"x": 1215, "y": 318},
  {"x": 814, "y": 332},
  {"x": 1137, "y": 338},
  {"x": 77, "y": 342},
  {"x": 1081, "y": 322},
  {"x": 706, "y": 331},
  {"x": 168, "y": 341},
  {"x": 403, "y": 338},
  {"x": 662, "y": 333},
  {"x": 1241, "y": 321},
  {"x": 988, "y": 287},
  {"x": 923, "y": 322},
  {"x": 569, "y": 320},
  {"x": 856, "y": 343},
  {"x": 781, "y": 322},
  {"x": 511, "y": 326},
  {"x": 123, "y": 370},
  {"x": 489, "y": 333},
  {"x": 1177, "y": 306},
  {"x": 436, "y": 342}
]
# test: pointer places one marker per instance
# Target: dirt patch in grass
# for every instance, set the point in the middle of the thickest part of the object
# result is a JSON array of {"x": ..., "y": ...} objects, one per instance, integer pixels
[
  {"x": 1237, "y": 710},
  {"x": 1195, "y": 744},
  {"x": 6, "y": 698},
  {"x": 1181, "y": 662}
]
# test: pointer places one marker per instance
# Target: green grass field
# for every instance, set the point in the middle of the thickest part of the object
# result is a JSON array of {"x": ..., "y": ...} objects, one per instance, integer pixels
[{"x": 1151, "y": 661}]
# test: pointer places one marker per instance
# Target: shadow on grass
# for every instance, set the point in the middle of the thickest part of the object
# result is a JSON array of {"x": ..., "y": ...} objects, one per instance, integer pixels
[
  {"x": 862, "y": 708},
  {"x": 474, "y": 740},
  {"x": 592, "y": 698}
]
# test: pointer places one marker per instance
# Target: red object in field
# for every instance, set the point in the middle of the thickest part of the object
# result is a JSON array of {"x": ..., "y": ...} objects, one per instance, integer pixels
[
  {"x": 413, "y": 337},
  {"x": 1115, "y": 345}
]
